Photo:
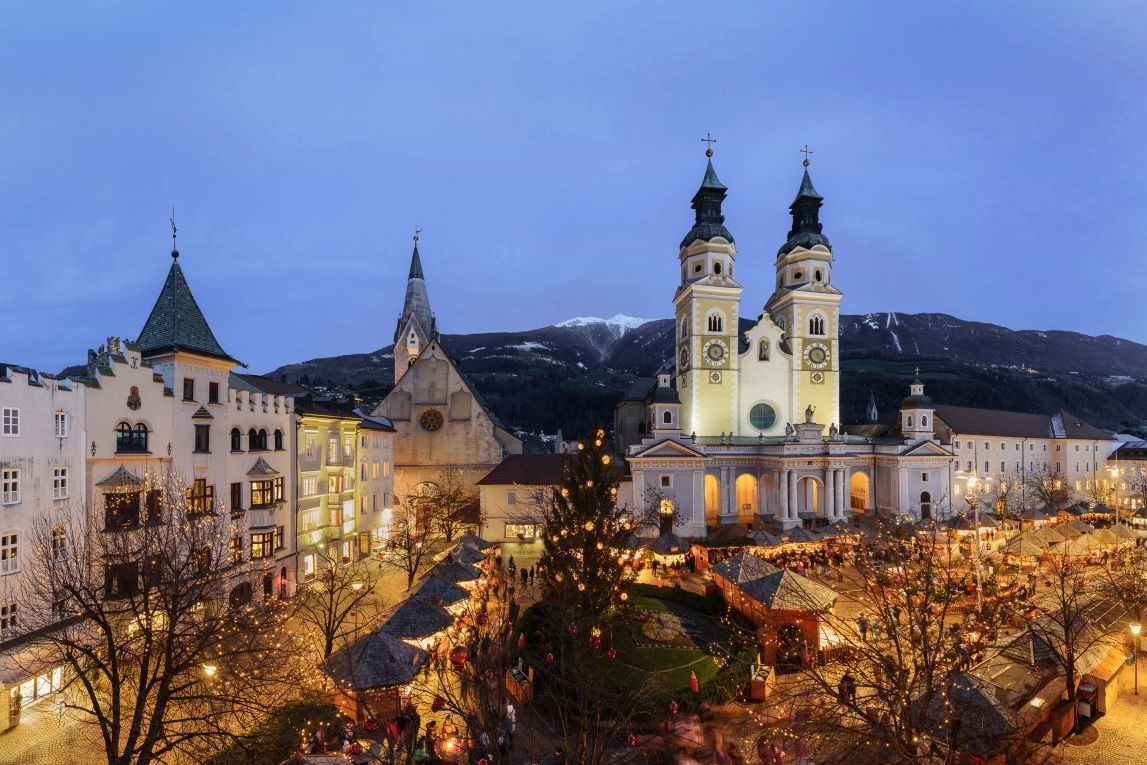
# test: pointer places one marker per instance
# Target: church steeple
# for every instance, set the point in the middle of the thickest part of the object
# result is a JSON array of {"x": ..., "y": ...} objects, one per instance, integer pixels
[
  {"x": 416, "y": 324},
  {"x": 805, "y": 209},
  {"x": 417, "y": 303},
  {"x": 709, "y": 222}
]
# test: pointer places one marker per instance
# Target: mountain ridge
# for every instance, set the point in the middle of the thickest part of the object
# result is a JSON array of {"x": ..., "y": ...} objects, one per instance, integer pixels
[{"x": 578, "y": 368}]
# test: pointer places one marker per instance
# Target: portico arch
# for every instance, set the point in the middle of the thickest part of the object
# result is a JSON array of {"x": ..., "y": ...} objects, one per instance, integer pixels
[
  {"x": 859, "y": 493},
  {"x": 712, "y": 500},
  {"x": 810, "y": 496},
  {"x": 748, "y": 498}
]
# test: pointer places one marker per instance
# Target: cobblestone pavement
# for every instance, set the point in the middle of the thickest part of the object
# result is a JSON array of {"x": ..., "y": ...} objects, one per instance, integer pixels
[
  {"x": 49, "y": 734},
  {"x": 1122, "y": 736}
]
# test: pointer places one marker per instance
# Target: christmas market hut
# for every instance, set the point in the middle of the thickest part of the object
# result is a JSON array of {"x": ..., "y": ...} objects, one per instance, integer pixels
[
  {"x": 373, "y": 675},
  {"x": 474, "y": 541},
  {"x": 785, "y": 606},
  {"x": 417, "y": 622},
  {"x": 439, "y": 592}
]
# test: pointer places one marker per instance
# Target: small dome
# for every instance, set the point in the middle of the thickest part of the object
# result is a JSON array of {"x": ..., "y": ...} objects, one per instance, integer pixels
[
  {"x": 706, "y": 232},
  {"x": 806, "y": 239},
  {"x": 916, "y": 402}
]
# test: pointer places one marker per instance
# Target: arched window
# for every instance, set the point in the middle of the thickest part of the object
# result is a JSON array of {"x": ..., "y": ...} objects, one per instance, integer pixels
[
  {"x": 278, "y": 440},
  {"x": 717, "y": 267},
  {"x": 816, "y": 275},
  {"x": 925, "y": 505},
  {"x": 816, "y": 325},
  {"x": 763, "y": 351},
  {"x": 684, "y": 326},
  {"x": 262, "y": 439},
  {"x": 139, "y": 438},
  {"x": 252, "y": 439},
  {"x": 716, "y": 322},
  {"x": 236, "y": 440},
  {"x": 924, "y": 421},
  {"x": 909, "y": 421},
  {"x": 667, "y": 418},
  {"x": 123, "y": 437}
]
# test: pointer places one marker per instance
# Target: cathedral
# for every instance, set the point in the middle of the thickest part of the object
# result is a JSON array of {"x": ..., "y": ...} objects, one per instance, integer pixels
[{"x": 745, "y": 428}]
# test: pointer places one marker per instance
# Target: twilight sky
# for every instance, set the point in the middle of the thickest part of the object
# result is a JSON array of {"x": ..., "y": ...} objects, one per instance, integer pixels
[{"x": 980, "y": 158}]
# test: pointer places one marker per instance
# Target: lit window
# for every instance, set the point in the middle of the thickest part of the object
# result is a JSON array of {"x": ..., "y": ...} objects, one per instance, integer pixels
[
  {"x": 200, "y": 497},
  {"x": 308, "y": 566},
  {"x": 261, "y": 545},
  {"x": 262, "y": 493}
]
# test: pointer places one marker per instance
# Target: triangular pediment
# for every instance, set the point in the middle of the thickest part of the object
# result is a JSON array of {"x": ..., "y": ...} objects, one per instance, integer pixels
[
  {"x": 926, "y": 449},
  {"x": 668, "y": 450}
]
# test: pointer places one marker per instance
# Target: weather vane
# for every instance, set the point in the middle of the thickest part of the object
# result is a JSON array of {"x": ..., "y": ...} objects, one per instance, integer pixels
[
  {"x": 174, "y": 249},
  {"x": 709, "y": 140},
  {"x": 417, "y": 231},
  {"x": 806, "y": 151}
]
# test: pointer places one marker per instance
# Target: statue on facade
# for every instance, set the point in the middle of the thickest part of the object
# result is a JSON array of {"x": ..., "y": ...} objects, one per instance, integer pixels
[
  {"x": 808, "y": 412},
  {"x": 789, "y": 429},
  {"x": 833, "y": 432}
]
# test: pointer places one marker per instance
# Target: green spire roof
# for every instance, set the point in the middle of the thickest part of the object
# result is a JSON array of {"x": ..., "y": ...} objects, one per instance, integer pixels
[
  {"x": 176, "y": 323},
  {"x": 711, "y": 181},
  {"x": 806, "y": 190}
]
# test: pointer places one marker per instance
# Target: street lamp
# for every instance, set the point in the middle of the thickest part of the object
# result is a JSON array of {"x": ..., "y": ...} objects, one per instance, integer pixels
[
  {"x": 972, "y": 495},
  {"x": 1135, "y": 631},
  {"x": 1114, "y": 472}
]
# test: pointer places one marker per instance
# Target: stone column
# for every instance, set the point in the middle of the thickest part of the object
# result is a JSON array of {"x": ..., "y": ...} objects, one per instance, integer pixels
[
  {"x": 783, "y": 495},
  {"x": 794, "y": 502},
  {"x": 845, "y": 505},
  {"x": 830, "y": 493}
]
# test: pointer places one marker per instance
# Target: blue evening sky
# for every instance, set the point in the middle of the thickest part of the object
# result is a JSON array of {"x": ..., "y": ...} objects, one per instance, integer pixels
[{"x": 984, "y": 159}]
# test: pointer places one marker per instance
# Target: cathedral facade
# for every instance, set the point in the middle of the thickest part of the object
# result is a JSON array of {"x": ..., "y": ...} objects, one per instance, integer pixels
[{"x": 744, "y": 428}]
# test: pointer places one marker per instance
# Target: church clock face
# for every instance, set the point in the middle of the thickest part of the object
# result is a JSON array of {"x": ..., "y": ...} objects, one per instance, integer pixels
[
  {"x": 816, "y": 355},
  {"x": 716, "y": 351}
]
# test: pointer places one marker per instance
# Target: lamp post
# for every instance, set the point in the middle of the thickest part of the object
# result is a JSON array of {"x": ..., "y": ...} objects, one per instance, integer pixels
[
  {"x": 1114, "y": 472},
  {"x": 1135, "y": 627},
  {"x": 972, "y": 495}
]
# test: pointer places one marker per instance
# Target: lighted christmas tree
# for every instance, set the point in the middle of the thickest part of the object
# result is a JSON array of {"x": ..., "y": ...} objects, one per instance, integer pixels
[{"x": 583, "y": 564}]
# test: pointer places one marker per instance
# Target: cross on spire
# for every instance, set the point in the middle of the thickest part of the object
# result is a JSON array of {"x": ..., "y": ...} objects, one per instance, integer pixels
[
  {"x": 174, "y": 250},
  {"x": 806, "y": 151},
  {"x": 917, "y": 371},
  {"x": 709, "y": 140}
]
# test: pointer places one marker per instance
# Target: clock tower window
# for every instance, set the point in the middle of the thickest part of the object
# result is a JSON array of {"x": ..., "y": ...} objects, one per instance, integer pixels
[
  {"x": 716, "y": 322},
  {"x": 816, "y": 325}
]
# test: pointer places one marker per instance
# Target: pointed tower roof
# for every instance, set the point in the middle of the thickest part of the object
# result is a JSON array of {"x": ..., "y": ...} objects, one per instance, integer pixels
[
  {"x": 176, "y": 323},
  {"x": 805, "y": 209},
  {"x": 709, "y": 222},
  {"x": 417, "y": 303},
  {"x": 415, "y": 264}
]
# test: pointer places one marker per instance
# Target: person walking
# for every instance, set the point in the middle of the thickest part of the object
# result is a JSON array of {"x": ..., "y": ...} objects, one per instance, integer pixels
[
  {"x": 525, "y": 575},
  {"x": 531, "y": 576},
  {"x": 862, "y": 625}
]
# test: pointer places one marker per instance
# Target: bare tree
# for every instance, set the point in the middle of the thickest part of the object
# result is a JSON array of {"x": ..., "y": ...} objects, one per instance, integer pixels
[
  {"x": 414, "y": 540},
  {"x": 145, "y": 603},
  {"x": 1070, "y": 611},
  {"x": 902, "y": 649},
  {"x": 341, "y": 602},
  {"x": 1048, "y": 486},
  {"x": 446, "y": 504}
]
